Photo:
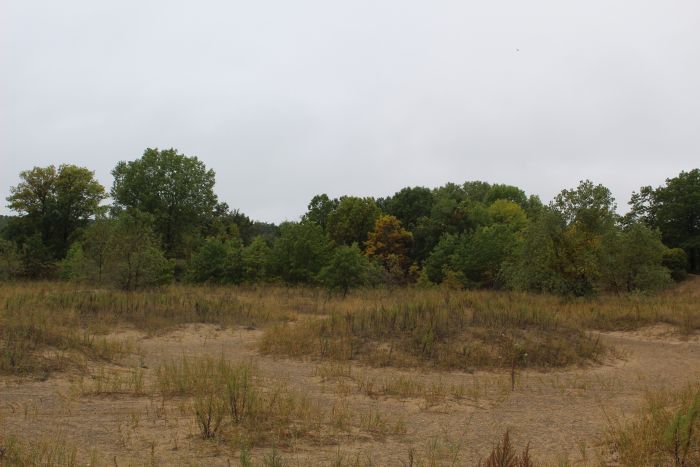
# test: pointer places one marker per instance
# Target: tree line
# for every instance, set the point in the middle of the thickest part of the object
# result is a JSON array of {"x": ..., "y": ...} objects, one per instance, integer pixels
[{"x": 165, "y": 223}]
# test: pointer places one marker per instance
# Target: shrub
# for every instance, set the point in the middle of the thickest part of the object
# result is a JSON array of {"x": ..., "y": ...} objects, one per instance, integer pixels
[
  {"x": 676, "y": 261},
  {"x": 122, "y": 251},
  {"x": 666, "y": 431},
  {"x": 218, "y": 261},
  {"x": 346, "y": 269}
]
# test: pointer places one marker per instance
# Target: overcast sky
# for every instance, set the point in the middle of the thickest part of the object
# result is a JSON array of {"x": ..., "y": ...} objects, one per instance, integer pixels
[{"x": 286, "y": 99}]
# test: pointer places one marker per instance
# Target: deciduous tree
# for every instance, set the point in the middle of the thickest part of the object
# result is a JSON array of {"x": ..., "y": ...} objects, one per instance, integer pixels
[
  {"x": 177, "y": 190},
  {"x": 674, "y": 209},
  {"x": 389, "y": 243},
  {"x": 54, "y": 204},
  {"x": 346, "y": 268},
  {"x": 320, "y": 209},
  {"x": 299, "y": 253},
  {"x": 409, "y": 205},
  {"x": 256, "y": 260},
  {"x": 352, "y": 220}
]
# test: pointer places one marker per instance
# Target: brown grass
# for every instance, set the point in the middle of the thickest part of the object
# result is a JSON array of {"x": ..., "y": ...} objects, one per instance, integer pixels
[
  {"x": 475, "y": 329},
  {"x": 231, "y": 402},
  {"x": 50, "y": 326},
  {"x": 666, "y": 431},
  {"x": 18, "y": 452},
  {"x": 216, "y": 405}
]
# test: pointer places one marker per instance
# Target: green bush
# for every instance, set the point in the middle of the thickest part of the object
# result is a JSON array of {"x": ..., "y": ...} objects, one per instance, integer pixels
[
  {"x": 676, "y": 261},
  {"x": 218, "y": 261},
  {"x": 347, "y": 268}
]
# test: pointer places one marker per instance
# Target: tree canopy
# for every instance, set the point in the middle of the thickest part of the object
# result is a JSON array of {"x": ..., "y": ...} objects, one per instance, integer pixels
[
  {"x": 166, "y": 224},
  {"x": 177, "y": 190},
  {"x": 53, "y": 204},
  {"x": 675, "y": 210},
  {"x": 352, "y": 220}
]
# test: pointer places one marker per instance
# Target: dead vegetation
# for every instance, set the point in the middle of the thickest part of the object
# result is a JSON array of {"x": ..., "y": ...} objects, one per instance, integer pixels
[
  {"x": 666, "y": 431},
  {"x": 229, "y": 401},
  {"x": 382, "y": 377}
]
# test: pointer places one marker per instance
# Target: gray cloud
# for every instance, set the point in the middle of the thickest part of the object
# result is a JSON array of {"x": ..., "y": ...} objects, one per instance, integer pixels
[{"x": 285, "y": 100}]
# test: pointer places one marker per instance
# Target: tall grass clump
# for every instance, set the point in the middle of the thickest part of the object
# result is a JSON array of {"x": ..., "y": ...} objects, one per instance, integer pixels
[
  {"x": 469, "y": 329},
  {"x": 33, "y": 339},
  {"x": 454, "y": 331},
  {"x": 666, "y": 431},
  {"x": 504, "y": 454},
  {"x": 148, "y": 310},
  {"x": 230, "y": 401},
  {"x": 42, "y": 452},
  {"x": 45, "y": 326}
]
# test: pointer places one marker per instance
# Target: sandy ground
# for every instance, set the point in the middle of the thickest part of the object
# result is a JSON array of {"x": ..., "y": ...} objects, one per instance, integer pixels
[{"x": 563, "y": 414}]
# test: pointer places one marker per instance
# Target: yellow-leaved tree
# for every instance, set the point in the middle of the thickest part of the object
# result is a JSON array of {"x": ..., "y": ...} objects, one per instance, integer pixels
[{"x": 389, "y": 244}]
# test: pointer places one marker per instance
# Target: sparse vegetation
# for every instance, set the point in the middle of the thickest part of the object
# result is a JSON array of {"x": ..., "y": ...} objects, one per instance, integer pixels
[
  {"x": 666, "y": 431},
  {"x": 150, "y": 323},
  {"x": 504, "y": 454},
  {"x": 18, "y": 452},
  {"x": 231, "y": 402},
  {"x": 475, "y": 329},
  {"x": 47, "y": 326},
  {"x": 226, "y": 402}
]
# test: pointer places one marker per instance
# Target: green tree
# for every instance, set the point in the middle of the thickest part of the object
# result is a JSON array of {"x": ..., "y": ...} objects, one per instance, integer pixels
[
  {"x": 675, "y": 210},
  {"x": 352, "y": 220},
  {"x": 480, "y": 256},
  {"x": 456, "y": 209},
  {"x": 347, "y": 268},
  {"x": 676, "y": 261},
  {"x": 89, "y": 259},
  {"x": 539, "y": 261},
  {"x": 177, "y": 190},
  {"x": 474, "y": 190},
  {"x": 505, "y": 192},
  {"x": 320, "y": 209},
  {"x": 135, "y": 259},
  {"x": 122, "y": 251},
  {"x": 76, "y": 266},
  {"x": 96, "y": 245},
  {"x": 10, "y": 265},
  {"x": 227, "y": 223},
  {"x": 218, "y": 261},
  {"x": 632, "y": 259},
  {"x": 37, "y": 259},
  {"x": 54, "y": 204},
  {"x": 299, "y": 253},
  {"x": 4, "y": 220},
  {"x": 508, "y": 213},
  {"x": 256, "y": 260},
  {"x": 591, "y": 206},
  {"x": 440, "y": 258},
  {"x": 409, "y": 205},
  {"x": 588, "y": 214}
]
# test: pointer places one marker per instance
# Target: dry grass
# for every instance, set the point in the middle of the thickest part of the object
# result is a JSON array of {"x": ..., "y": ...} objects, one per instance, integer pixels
[
  {"x": 665, "y": 432},
  {"x": 454, "y": 333},
  {"x": 113, "y": 381},
  {"x": 232, "y": 403},
  {"x": 429, "y": 389},
  {"x": 220, "y": 408},
  {"x": 474, "y": 329},
  {"x": 16, "y": 452},
  {"x": 50, "y": 326},
  {"x": 35, "y": 340},
  {"x": 504, "y": 454}
]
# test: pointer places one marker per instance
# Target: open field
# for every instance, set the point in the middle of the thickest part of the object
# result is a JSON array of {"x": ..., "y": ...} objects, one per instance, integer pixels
[{"x": 275, "y": 376}]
